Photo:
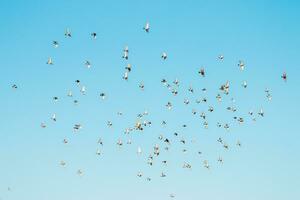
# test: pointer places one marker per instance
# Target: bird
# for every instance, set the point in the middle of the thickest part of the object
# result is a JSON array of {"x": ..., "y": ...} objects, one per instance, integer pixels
[
  {"x": 77, "y": 127},
  {"x": 54, "y": 117},
  {"x": 261, "y": 112},
  {"x": 169, "y": 105},
  {"x": 220, "y": 160},
  {"x": 202, "y": 72},
  {"x": 244, "y": 84},
  {"x": 125, "y": 53},
  {"x": 139, "y": 151},
  {"x": 88, "y": 64},
  {"x": 68, "y": 33},
  {"x": 147, "y": 27},
  {"x": 62, "y": 163},
  {"x": 55, "y": 44},
  {"x": 14, "y": 86},
  {"x": 241, "y": 65},
  {"x": 284, "y": 76},
  {"x": 49, "y": 61},
  {"x": 98, "y": 152},
  {"x": 205, "y": 164},
  {"x": 94, "y": 35},
  {"x": 139, "y": 174},
  {"x": 80, "y": 172},
  {"x": 128, "y": 68},
  {"x": 43, "y": 125},
  {"x": 164, "y": 56},
  {"x": 102, "y": 95},
  {"x": 125, "y": 76}
]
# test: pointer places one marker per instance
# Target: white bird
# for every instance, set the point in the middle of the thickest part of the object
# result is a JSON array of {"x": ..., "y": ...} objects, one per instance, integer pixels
[
  {"x": 55, "y": 44},
  {"x": 241, "y": 65},
  {"x": 139, "y": 174},
  {"x": 88, "y": 64},
  {"x": 119, "y": 142},
  {"x": 68, "y": 33},
  {"x": 53, "y": 117},
  {"x": 82, "y": 90},
  {"x": 261, "y": 112},
  {"x": 139, "y": 150},
  {"x": 43, "y": 125},
  {"x": 147, "y": 27},
  {"x": 125, "y": 53},
  {"x": 244, "y": 84},
  {"x": 164, "y": 56},
  {"x": 49, "y": 61},
  {"x": 98, "y": 152},
  {"x": 80, "y": 172},
  {"x": 70, "y": 94},
  {"x": 206, "y": 165},
  {"x": 125, "y": 76},
  {"x": 62, "y": 163}
]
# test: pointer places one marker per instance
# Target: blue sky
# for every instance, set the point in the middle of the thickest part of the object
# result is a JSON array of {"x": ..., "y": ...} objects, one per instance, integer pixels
[{"x": 265, "y": 34}]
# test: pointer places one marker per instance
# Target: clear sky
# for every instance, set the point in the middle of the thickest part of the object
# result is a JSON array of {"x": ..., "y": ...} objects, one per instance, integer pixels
[{"x": 265, "y": 34}]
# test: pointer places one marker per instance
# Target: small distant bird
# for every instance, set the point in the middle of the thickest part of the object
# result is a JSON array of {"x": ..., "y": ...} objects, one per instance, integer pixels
[
  {"x": 221, "y": 57},
  {"x": 241, "y": 65},
  {"x": 102, "y": 95},
  {"x": 206, "y": 165},
  {"x": 43, "y": 125},
  {"x": 261, "y": 112},
  {"x": 139, "y": 174},
  {"x": 169, "y": 105},
  {"x": 68, "y": 33},
  {"x": 55, "y": 44},
  {"x": 109, "y": 124},
  {"x": 77, "y": 82},
  {"x": 220, "y": 140},
  {"x": 62, "y": 163},
  {"x": 139, "y": 151},
  {"x": 14, "y": 86},
  {"x": 284, "y": 76},
  {"x": 88, "y": 64},
  {"x": 80, "y": 172},
  {"x": 202, "y": 72},
  {"x": 82, "y": 90},
  {"x": 49, "y": 61},
  {"x": 125, "y": 76},
  {"x": 119, "y": 142},
  {"x": 147, "y": 27},
  {"x": 128, "y": 67},
  {"x": 163, "y": 175},
  {"x": 125, "y": 53},
  {"x": 77, "y": 127},
  {"x": 244, "y": 84},
  {"x": 70, "y": 94},
  {"x": 164, "y": 56},
  {"x": 98, "y": 152},
  {"x": 220, "y": 160},
  {"x": 53, "y": 117},
  {"x": 94, "y": 35},
  {"x": 100, "y": 142}
]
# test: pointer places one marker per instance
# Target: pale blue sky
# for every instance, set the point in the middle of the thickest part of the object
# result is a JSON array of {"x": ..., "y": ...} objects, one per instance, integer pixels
[{"x": 265, "y": 34}]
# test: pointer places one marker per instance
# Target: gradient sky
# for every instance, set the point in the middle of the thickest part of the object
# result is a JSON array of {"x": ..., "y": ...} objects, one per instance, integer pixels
[{"x": 265, "y": 34}]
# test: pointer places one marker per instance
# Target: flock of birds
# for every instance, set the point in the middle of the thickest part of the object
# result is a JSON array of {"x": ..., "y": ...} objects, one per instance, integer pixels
[{"x": 163, "y": 143}]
